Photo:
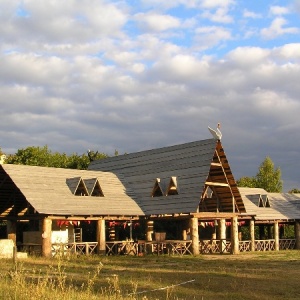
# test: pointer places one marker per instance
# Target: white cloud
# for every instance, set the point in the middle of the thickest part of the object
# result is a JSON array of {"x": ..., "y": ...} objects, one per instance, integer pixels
[
  {"x": 216, "y": 3},
  {"x": 277, "y": 28},
  {"x": 219, "y": 16},
  {"x": 73, "y": 22},
  {"x": 167, "y": 4},
  {"x": 248, "y": 56},
  {"x": 289, "y": 52},
  {"x": 208, "y": 36},
  {"x": 81, "y": 74},
  {"x": 279, "y": 10},
  {"x": 156, "y": 22},
  {"x": 250, "y": 14}
]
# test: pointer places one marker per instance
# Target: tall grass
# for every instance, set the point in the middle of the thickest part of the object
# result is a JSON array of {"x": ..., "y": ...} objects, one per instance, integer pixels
[{"x": 260, "y": 275}]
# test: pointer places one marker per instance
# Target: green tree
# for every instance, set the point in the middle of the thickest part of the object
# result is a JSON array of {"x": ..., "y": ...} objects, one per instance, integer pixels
[
  {"x": 294, "y": 191},
  {"x": 246, "y": 182},
  {"x": 268, "y": 177},
  {"x": 34, "y": 156},
  {"x": 43, "y": 156}
]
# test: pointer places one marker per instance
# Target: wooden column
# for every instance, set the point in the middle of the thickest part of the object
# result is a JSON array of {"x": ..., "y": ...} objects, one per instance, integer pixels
[
  {"x": 276, "y": 236},
  {"x": 297, "y": 234},
  {"x": 46, "y": 238},
  {"x": 234, "y": 236},
  {"x": 194, "y": 235},
  {"x": 101, "y": 239},
  {"x": 11, "y": 229},
  {"x": 222, "y": 234},
  {"x": 112, "y": 232},
  {"x": 149, "y": 230},
  {"x": 252, "y": 234},
  {"x": 149, "y": 235}
]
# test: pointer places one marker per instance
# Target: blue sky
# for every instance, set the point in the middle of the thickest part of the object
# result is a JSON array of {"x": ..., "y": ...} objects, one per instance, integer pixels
[{"x": 136, "y": 75}]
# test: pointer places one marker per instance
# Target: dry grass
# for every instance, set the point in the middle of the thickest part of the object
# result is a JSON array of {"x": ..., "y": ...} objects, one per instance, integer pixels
[{"x": 260, "y": 275}]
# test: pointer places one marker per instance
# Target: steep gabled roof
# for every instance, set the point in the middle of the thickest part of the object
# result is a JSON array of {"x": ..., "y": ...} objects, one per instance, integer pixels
[
  {"x": 221, "y": 193},
  {"x": 52, "y": 191},
  {"x": 190, "y": 167}
]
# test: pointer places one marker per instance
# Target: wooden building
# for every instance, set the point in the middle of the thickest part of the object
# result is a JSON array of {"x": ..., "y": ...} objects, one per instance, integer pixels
[{"x": 180, "y": 187}]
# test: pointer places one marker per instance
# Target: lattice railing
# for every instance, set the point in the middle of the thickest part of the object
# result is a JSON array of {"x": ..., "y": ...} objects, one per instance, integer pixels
[
  {"x": 214, "y": 246},
  {"x": 287, "y": 244},
  {"x": 85, "y": 248},
  {"x": 245, "y": 246},
  {"x": 264, "y": 245}
]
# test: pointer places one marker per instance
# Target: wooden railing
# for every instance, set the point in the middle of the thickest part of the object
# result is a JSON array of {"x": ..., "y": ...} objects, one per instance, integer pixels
[
  {"x": 214, "y": 246},
  {"x": 171, "y": 247},
  {"x": 224, "y": 246},
  {"x": 85, "y": 248},
  {"x": 287, "y": 244}
]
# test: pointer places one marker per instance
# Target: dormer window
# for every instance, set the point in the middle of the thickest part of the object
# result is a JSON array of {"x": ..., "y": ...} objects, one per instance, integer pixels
[
  {"x": 172, "y": 188},
  {"x": 263, "y": 201},
  {"x": 157, "y": 190},
  {"x": 85, "y": 187},
  {"x": 81, "y": 189},
  {"x": 94, "y": 188}
]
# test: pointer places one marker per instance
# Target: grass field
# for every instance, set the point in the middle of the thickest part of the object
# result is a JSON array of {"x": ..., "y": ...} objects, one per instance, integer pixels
[{"x": 260, "y": 275}]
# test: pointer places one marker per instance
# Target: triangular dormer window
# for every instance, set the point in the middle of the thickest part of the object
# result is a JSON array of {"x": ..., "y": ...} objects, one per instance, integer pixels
[
  {"x": 265, "y": 200},
  {"x": 93, "y": 187},
  {"x": 172, "y": 187},
  {"x": 260, "y": 202},
  {"x": 81, "y": 189},
  {"x": 157, "y": 190}
]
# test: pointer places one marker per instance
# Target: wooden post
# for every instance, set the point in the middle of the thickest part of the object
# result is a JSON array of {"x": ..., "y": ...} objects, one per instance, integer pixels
[
  {"x": 297, "y": 234},
  {"x": 149, "y": 234},
  {"x": 234, "y": 236},
  {"x": 149, "y": 230},
  {"x": 112, "y": 232},
  {"x": 46, "y": 238},
  {"x": 276, "y": 236},
  {"x": 194, "y": 235},
  {"x": 252, "y": 234},
  {"x": 11, "y": 228},
  {"x": 101, "y": 239},
  {"x": 222, "y": 235}
]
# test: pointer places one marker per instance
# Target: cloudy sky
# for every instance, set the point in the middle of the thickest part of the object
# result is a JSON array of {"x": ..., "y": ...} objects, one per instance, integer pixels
[{"x": 135, "y": 75}]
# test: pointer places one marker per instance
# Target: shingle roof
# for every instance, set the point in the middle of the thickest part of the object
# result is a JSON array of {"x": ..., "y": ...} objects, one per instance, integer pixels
[
  {"x": 47, "y": 190},
  {"x": 283, "y": 206},
  {"x": 187, "y": 164}
]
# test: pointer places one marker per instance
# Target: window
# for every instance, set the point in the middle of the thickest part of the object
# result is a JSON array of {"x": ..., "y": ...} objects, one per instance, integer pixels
[
  {"x": 157, "y": 190},
  {"x": 172, "y": 187}
]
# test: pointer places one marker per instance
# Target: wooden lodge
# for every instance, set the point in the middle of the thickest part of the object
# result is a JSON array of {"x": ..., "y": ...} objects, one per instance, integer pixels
[{"x": 181, "y": 199}]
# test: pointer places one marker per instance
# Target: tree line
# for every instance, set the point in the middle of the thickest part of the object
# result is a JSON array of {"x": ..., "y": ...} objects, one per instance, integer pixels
[
  {"x": 44, "y": 157},
  {"x": 268, "y": 178}
]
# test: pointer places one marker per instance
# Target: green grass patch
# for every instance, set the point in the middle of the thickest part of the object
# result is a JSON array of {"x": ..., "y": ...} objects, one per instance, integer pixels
[{"x": 259, "y": 275}]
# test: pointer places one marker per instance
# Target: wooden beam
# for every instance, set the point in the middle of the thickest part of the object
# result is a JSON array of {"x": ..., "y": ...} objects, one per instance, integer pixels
[
  {"x": 214, "y": 164},
  {"x": 210, "y": 183},
  {"x": 214, "y": 215}
]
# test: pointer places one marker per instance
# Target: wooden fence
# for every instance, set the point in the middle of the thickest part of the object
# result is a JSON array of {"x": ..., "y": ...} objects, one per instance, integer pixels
[
  {"x": 171, "y": 247},
  {"x": 224, "y": 246}
]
